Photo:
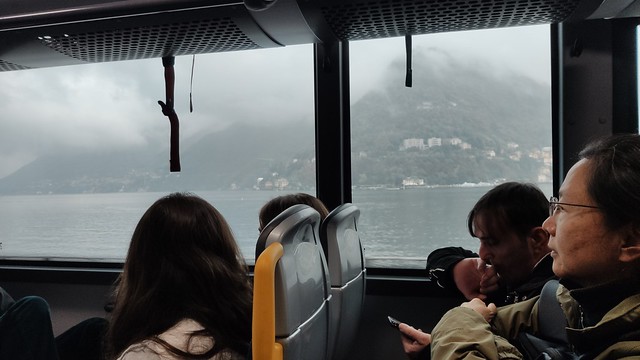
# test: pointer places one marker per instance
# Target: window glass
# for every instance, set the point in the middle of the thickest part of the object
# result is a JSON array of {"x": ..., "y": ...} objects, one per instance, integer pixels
[
  {"x": 478, "y": 113},
  {"x": 84, "y": 150}
]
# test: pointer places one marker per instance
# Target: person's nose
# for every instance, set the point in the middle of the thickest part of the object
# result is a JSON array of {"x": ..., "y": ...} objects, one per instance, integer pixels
[
  {"x": 550, "y": 225},
  {"x": 484, "y": 253}
]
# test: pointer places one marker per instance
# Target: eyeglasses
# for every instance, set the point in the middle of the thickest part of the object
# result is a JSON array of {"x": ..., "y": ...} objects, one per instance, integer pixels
[{"x": 554, "y": 204}]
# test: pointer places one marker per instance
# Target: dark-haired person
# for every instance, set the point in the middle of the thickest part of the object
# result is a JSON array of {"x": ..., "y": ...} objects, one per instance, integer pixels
[
  {"x": 184, "y": 292},
  {"x": 513, "y": 263},
  {"x": 275, "y": 206},
  {"x": 594, "y": 228}
]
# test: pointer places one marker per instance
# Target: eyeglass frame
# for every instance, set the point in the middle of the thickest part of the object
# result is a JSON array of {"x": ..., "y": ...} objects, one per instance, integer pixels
[{"x": 553, "y": 203}]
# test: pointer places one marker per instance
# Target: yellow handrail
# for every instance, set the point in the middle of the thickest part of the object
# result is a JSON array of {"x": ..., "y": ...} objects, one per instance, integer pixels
[{"x": 263, "y": 332}]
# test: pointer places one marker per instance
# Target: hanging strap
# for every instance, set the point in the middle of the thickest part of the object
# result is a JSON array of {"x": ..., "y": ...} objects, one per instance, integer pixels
[
  {"x": 193, "y": 64},
  {"x": 408, "y": 81},
  {"x": 168, "y": 110}
]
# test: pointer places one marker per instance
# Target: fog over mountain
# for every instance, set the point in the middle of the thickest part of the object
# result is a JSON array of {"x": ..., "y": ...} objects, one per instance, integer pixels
[
  {"x": 451, "y": 98},
  {"x": 495, "y": 112}
]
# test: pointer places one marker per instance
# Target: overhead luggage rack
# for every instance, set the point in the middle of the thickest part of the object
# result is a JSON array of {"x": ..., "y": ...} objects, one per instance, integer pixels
[
  {"x": 52, "y": 33},
  {"x": 358, "y": 20}
]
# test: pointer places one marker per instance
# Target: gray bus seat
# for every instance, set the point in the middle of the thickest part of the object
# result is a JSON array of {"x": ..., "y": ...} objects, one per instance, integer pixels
[
  {"x": 291, "y": 289},
  {"x": 345, "y": 256}
]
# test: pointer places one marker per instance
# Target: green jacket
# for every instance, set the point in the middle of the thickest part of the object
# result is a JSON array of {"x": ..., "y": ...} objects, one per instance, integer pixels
[{"x": 462, "y": 333}]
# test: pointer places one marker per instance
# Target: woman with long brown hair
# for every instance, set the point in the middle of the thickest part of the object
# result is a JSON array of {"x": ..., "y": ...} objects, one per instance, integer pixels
[{"x": 184, "y": 292}]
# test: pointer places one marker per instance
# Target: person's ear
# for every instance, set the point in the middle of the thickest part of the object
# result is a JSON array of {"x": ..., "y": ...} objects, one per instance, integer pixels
[
  {"x": 630, "y": 249},
  {"x": 539, "y": 237}
]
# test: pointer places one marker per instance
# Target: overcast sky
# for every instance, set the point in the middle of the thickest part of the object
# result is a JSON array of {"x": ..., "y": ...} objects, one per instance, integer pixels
[{"x": 100, "y": 106}]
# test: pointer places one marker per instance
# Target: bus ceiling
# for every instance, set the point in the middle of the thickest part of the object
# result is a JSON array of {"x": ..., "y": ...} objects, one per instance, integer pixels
[{"x": 38, "y": 34}]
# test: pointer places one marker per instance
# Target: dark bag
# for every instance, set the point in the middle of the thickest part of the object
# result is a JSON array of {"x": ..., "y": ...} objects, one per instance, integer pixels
[
  {"x": 551, "y": 342},
  {"x": 534, "y": 348}
]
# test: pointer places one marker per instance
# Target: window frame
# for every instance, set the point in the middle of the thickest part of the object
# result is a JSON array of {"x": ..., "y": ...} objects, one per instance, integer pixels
[{"x": 331, "y": 87}]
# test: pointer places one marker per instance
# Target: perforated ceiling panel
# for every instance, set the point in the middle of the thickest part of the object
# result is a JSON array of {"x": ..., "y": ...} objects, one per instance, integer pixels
[
  {"x": 7, "y": 66},
  {"x": 359, "y": 20},
  {"x": 195, "y": 37},
  {"x": 106, "y": 32}
]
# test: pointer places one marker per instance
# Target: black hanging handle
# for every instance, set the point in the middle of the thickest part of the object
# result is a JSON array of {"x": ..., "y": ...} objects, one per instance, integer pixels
[
  {"x": 408, "y": 81},
  {"x": 168, "y": 111}
]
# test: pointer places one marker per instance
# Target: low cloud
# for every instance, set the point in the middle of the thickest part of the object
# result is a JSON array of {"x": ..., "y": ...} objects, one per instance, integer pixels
[{"x": 101, "y": 106}]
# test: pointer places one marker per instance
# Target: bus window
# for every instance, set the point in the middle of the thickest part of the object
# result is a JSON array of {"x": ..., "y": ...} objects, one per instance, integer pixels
[
  {"x": 84, "y": 150},
  {"x": 478, "y": 113}
]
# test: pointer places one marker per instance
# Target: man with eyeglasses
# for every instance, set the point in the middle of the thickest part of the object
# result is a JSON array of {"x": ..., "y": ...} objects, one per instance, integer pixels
[{"x": 513, "y": 261}]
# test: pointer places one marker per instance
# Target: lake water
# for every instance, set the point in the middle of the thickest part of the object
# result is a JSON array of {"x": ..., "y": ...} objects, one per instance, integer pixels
[{"x": 398, "y": 228}]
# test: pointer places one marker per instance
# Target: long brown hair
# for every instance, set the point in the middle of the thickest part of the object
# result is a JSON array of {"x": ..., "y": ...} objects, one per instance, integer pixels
[{"x": 183, "y": 262}]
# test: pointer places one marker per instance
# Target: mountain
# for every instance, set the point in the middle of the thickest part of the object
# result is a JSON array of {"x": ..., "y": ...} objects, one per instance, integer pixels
[
  {"x": 501, "y": 117},
  {"x": 450, "y": 98},
  {"x": 237, "y": 155}
]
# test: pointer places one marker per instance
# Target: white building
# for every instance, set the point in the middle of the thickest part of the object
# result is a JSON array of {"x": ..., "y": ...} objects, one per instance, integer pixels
[
  {"x": 434, "y": 141},
  {"x": 412, "y": 143}
]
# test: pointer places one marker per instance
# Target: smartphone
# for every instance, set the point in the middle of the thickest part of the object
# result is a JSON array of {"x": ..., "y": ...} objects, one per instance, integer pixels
[{"x": 393, "y": 322}]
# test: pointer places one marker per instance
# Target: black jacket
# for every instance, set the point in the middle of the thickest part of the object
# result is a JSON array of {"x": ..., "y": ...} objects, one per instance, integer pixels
[{"x": 440, "y": 265}]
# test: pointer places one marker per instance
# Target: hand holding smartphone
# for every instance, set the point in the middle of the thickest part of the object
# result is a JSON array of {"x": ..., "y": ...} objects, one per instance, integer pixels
[
  {"x": 414, "y": 341},
  {"x": 395, "y": 323}
]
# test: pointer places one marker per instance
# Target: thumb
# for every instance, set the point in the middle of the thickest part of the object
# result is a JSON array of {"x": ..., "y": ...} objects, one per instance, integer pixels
[
  {"x": 492, "y": 307},
  {"x": 493, "y": 310}
]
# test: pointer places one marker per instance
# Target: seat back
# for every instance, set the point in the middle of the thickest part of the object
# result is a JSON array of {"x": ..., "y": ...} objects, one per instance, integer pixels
[
  {"x": 291, "y": 289},
  {"x": 345, "y": 256}
]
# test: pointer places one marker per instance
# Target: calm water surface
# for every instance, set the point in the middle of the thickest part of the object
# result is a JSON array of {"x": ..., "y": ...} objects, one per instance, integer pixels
[{"x": 397, "y": 227}]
